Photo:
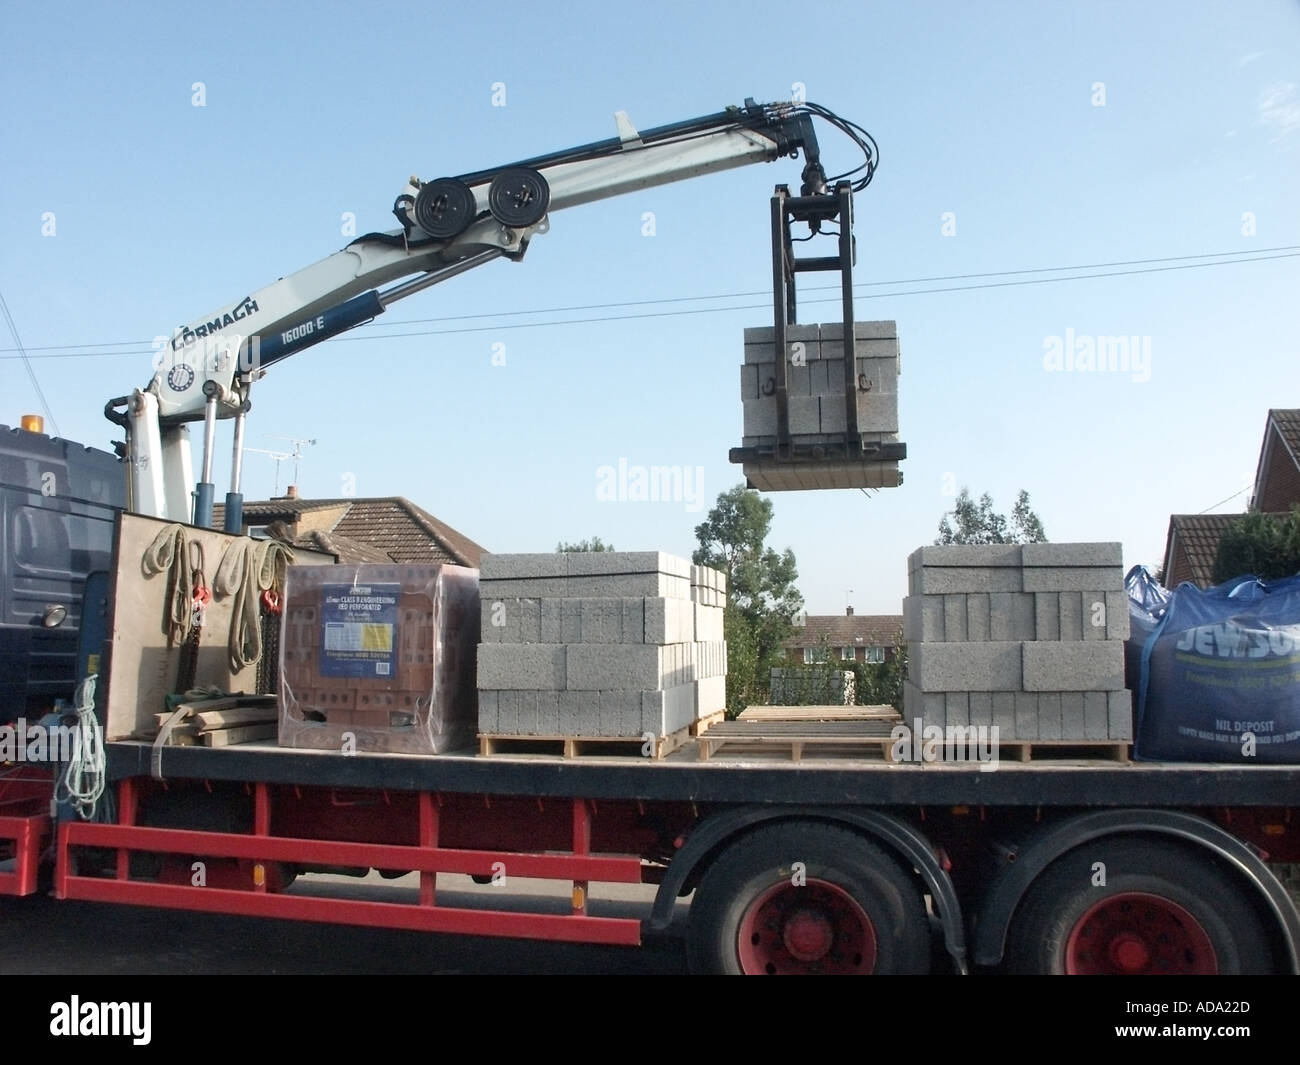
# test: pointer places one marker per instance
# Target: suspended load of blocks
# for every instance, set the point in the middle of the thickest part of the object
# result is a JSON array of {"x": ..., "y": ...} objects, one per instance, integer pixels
[
  {"x": 818, "y": 404},
  {"x": 599, "y": 644},
  {"x": 1029, "y": 638}
]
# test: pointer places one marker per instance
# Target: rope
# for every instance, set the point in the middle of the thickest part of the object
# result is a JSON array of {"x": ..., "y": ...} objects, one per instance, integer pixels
[
  {"x": 170, "y": 553},
  {"x": 248, "y": 568},
  {"x": 82, "y": 784}
]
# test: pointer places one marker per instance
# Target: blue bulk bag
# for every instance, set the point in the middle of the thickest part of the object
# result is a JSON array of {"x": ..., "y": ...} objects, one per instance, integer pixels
[{"x": 1219, "y": 676}]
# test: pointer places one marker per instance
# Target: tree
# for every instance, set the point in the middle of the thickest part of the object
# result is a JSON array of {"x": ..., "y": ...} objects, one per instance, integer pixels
[
  {"x": 762, "y": 599},
  {"x": 594, "y": 544},
  {"x": 979, "y": 523},
  {"x": 1265, "y": 545}
]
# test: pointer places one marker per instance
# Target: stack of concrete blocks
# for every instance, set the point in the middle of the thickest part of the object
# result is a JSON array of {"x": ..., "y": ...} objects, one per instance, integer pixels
[
  {"x": 599, "y": 644},
  {"x": 816, "y": 387},
  {"x": 812, "y": 687},
  {"x": 1029, "y": 638}
]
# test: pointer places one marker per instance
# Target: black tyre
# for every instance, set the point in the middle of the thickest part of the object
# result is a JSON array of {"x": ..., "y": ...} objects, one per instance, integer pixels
[
  {"x": 1163, "y": 909},
  {"x": 805, "y": 897}
]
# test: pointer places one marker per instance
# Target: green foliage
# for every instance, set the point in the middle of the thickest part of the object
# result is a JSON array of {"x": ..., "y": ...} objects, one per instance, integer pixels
[
  {"x": 762, "y": 599},
  {"x": 881, "y": 683},
  {"x": 971, "y": 522},
  {"x": 594, "y": 544},
  {"x": 1265, "y": 545}
]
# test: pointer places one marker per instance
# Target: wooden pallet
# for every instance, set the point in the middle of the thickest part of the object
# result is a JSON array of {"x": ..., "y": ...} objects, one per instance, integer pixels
[
  {"x": 494, "y": 744},
  {"x": 819, "y": 713},
  {"x": 794, "y": 737},
  {"x": 698, "y": 728},
  {"x": 1064, "y": 750}
]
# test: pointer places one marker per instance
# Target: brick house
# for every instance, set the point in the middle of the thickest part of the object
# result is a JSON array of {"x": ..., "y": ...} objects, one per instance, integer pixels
[
  {"x": 1192, "y": 542},
  {"x": 386, "y": 529},
  {"x": 846, "y": 637}
]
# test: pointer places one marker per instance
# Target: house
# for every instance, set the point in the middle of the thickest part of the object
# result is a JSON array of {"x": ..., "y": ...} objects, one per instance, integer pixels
[
  {"x": 848, "y": 637},
  {"x": 384, "y": 530},
  {"x": 1192, "y": 542}
]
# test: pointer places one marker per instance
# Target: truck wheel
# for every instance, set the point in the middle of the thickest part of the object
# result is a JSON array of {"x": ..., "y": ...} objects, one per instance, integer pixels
[
  {"x": 807, "y": 898},
  {"x": 1163, "y": 910}
]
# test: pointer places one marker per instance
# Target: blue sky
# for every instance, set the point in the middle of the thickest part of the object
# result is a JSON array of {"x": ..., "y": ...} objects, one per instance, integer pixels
[{"x": 164, "y": 211}]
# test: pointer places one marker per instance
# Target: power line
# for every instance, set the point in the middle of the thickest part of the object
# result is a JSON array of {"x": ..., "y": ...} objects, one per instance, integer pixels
[
  {"x": 27, "y": 362},
  {"x": 1180, "y": 263},
  {"x": 1222, "y": 501}
]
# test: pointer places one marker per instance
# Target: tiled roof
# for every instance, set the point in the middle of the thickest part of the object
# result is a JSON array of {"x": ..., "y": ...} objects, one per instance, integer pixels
[
  {"x": 849, "y": 630},
  {"x": 350, "y": 552},
  {"x": 1198, "y": 535},
  {"x": 1288, "y": 425},
  {"x": 393, "y": 528}
]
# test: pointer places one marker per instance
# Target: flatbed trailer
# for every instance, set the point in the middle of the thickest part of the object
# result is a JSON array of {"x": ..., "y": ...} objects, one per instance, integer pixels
[{"x": 834, "y": 864}]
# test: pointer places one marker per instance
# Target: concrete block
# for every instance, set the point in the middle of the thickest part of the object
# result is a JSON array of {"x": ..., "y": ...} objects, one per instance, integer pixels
[
  {"x": 981, "y": 707},
  {"x": 1026, "y": 726},
  {"x": 602, "y": 620},
  {"x": 1096, "y": 719},
  {"x": 622, "y": 563},
  {"x": 548, "y": 623},
  {"x": 1073, "y": 716},
  {"x": 978, "y": 619},
  {"x": 759, "y": 417},
  {"x": 1118, "y": 620},
  {"x": 930, "y": 708},
  {"x": 1004, "y": 713},
  {"x": 587, "y": 722},
  {"x": 532, "y": 587},
  {"x": 508, "y": 713},
  {"x": 1047, "y": 616},
  {"x": 488, "y": 712},
  {"x": 877, "y": 411},
  {"x": 1082, "y": 554},
  {"x": 876, "y": 330},
  {"x": 548, "y": 713},
  {"x": 952, "y": 667},
  {"x": 570, "y": 620},
  {"x": 1011, "y": 616},
  {"x": 923, "y": 619},
  {"x": 596, "y": 668},
  {"x": 1049, "y": 716},
  {"x": 937, "y": 580},
  {"x": 709, "y": 623},
  {"x": 798, "y": 379},
  {"x": 530, "y": 620},
  {"x": 1071, "y": 615},
  {"x": 621, "y": 586},
  {"x": 805, "y": 414},
  {"x": 956, "y": 708},
  {"x": 633, "y": 621},
  {"x": 949, "y": 556},
  {"x": 668, "y": 710},
  {"x": 954, "y": 618},
  {"x": 669, "y": 621},
  {"x": 1073, "y": 667},
  {"x": 525, "y": 713},
  {"x": 494, "y": 567},
  {"x": 710, "y": 696},
  {"x": 1093, "y": 615},
  {"x": 570, "y": 710},
  {"x": 1072, "y": 578},
  {"x": 749, "y": 382},
  {"x": 1119, "y": 712},
  {"x": 521, "y": 667},
  {"x": 493, "y": 621},
  {"x": 807, "y": 332}
]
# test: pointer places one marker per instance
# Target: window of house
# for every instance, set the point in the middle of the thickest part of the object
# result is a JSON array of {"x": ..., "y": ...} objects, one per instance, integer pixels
[
  {"x": 847, "y": 654},
  {"x": 875, "y": 655},
  {"x": 809, "y": 655}
]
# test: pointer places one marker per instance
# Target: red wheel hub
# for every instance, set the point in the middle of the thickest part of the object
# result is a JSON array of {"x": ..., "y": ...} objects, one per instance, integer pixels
[
  {"x": 1137, "y": 934},
  {"x": 814, "y": 928}
]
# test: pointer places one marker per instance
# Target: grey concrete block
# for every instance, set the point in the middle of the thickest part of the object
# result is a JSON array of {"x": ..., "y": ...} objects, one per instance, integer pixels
[
  {"x": 521, "y": 566},
  {"x": 570, "y": 706},
  {"x": 954, "y": 618},
  {"x": 1073, "y": 667},
  {"x": 1004, "y": 713},
  {"x": 507, "y": 713},
  {"x": 587, "y": 722},
  {"x": 618, "y": 712},
  {"x": 596, "y": 668},
  {"x": 1011, "y": 616},
  {"x": 548, "y": 713},
  {"x": 669, "y": 621},
  {"x": 521, "y": 667},
  {"x": 758, "y": 417},
  {"x": 981, "y": 707},
  {"x": 1026, "y": 726},
  {"x": 949, "y": 556},
  {"x": 923, "y": 619},
  {"x": 548, "y": 624},
  {"x": 978, "y": 619},
  {"x": 488, "y": 712},
  {"x": 1093, "y": 614},
  {"x": 1118, "y": 621},
  {"x": 1096, "y": 720},
  {"x": 1072, "y": 578},
  {"x": 1047, "y": 616},
  {"x": 877, "y": 412},
  {"x": 749, "y": 382},
  {"x": 1081, "y": 554},
  {"x": 1119, "y": 712},
  {"x": 936, "y": 580},
  {"x": 530, "y": 587},
  {"x": 953, "y": 667},
  {"x": 668, "y": 710},
  {"x": 808, "y": 332},
  {"x": 881, "y": 330},
  {"x": 525, "y": 713},
  {"x": 622, "y": 563},
  {"x": 956, "y": 708},
  {"x": 1073, "y": 717},
  {"x": 805, "y": 414},
  {"x": 710, "y": 696},
  {"x": 621, "y": 586},
  {"x": 928, "y": 708},
  {"x": 633, "y": 623},
  {"x": 530, "y": 620},
  {"x": 1049, "y": 716},
  {"x": 493, "y": 622},
  {"x": 570, "y": 620},
  {"x": 709, "y": 623},
  {"x": 1071, "y": 615}
]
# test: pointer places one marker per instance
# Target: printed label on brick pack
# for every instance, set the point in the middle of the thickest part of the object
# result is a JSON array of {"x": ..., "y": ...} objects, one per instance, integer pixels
[{"x": 359, "y": 631}]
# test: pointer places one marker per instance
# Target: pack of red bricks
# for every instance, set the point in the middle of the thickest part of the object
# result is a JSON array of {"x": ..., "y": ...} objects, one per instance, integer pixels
[{"x": 379, "y": 658}]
